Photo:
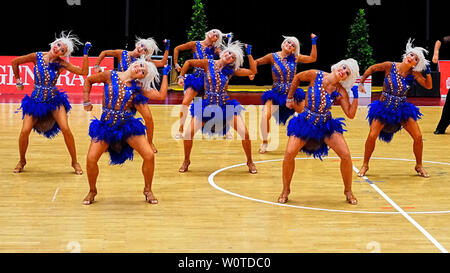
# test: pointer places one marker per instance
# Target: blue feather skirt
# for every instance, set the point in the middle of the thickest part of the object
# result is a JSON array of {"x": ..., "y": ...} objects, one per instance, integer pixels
[
  {"x": 42, "y": 111},
  {"x": 138, "y": 100},
  {"x": 283, "y": 113},
  {"x": 216, "y": 117},
  {"x": 314, "y": 134},
  {"x": 392, "y": 118},
  {"x": 196, "y": 81},
  {"x": 116, "y": 137}
]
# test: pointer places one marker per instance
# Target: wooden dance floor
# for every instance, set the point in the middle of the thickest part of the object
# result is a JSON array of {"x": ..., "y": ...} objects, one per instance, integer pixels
[{"x": 217, "y": 206}]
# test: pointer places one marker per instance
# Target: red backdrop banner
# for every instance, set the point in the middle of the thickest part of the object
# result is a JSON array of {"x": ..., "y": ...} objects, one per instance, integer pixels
[
  {"x": 68, "y": 82},
  {"x": 444, "y": 68}
]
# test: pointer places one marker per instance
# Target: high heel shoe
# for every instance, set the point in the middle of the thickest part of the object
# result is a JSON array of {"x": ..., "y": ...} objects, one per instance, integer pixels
[
  {"x": 263, "y": 148},
  {"x": 77, "y": 168},
  {"x": 19, "y": 167},
  {"x": 149, "y": 197},
  {"x": 89, "y": 199},
  {"x": 252, "y": 168},
  {"x": 421, "y": 172},
  {"x": 184, "y": 167},
  {"x": 351, "y": 198},
  {"x": 179, "y": 136}
]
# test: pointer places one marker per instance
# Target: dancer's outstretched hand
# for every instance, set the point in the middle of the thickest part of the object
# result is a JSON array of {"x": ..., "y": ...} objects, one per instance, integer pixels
[
  {"x": 435, "y": 58},
  {"x": 355, "y": 91},
  {"x": 361, "y": 88},
  {"x": 88, "y": 106},
  {"x": 313, "y": 38},
  {"x": 167, "y": 69},
  {"x": 87, "y": 46},
  {"x": 166, "y": 44},
  {"x": 181, "y": 81},
  {"x": 97, "y": 69},
  {"x": 248, "y": 49},
  {"x": 19, "y": 84}
]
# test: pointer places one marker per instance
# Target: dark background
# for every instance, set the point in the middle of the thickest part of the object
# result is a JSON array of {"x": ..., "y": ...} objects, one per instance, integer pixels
[{"x": 31, "y": 26}]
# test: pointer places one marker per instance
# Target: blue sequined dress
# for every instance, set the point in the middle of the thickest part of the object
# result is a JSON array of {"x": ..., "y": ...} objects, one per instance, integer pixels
[
  {"x": 315, "y": 123},
  {"x": 125, "y": 61},
  {"x": 124, "y": 64},
  {"x": 45, "y": 98},
  {"x": 283, "y": 72},
  {"x": 196, "y": 79},
  {"x": 216, "y": 108},
  {"x": 117, "y": 122},
  {"x": 392, "y": 109}
]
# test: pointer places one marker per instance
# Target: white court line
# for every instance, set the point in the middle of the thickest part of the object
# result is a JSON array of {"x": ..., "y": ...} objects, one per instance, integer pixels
[
  {"x": 54, "y": 195},
  {"x": 394, "y": 205},
  {"x": 402, "y": 212},
  {"x": 213, "y": 184}
]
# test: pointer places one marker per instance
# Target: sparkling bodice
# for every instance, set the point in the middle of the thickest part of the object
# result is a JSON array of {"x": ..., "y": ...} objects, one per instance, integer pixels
[
  {"x": 283, "y": 72},
  {"x": 45, "y": 78}
]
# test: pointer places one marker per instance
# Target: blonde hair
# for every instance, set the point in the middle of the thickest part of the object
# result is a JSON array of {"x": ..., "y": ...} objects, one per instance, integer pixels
[
  {"x": 295, "y": 41},
  {"x": 235, "y": 48},
  {"x": 152, "y": 76},
  {"x": 219, "y": 41},
  {"x": 150, "y": 44},
  {"x": 352, "y": 64},
  {"x": 70, "y": 40},
  {"x": 419, "y": 51}
]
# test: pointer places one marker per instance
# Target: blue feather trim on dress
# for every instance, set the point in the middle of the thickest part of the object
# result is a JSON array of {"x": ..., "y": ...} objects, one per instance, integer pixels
[
  {"x": 206, "y": 112},
  {"x": 46, "y": 125},
  {"x": 314, "y": 134},
  {"x": 283, "y": 113},
  {"x": 140, "y": 99},
  {"x": 116, "y": 137},
  {"x": 392, "y": 118},
  {"x": 196, "y": 81}
]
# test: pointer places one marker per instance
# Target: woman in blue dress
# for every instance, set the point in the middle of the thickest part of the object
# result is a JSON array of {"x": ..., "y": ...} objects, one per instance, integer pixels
[
  {"x": 392, "y": 112},
  {"x": 146, "y": 48},
  {"x": 314, "y": 130},
  {"x": 216, "y": 111},
  {"x": 46, "y": 110},
  {"x": 284, "y": 67},
  {"x": 209, "y": 48},
  {"x": 118, "y": 131}
]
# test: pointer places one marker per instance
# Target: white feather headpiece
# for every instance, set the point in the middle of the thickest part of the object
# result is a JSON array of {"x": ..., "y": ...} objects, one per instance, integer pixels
[
  {"x": 419, "y": 51},
  {"x": 70, "y": 40},
  {"x": 235, "y": 48},
  {"x": 295, "y": 41},
  {"x": 150, "y": 44},
  {"x": 152, "y": 76},
  {"x": 354, "y": 74}
]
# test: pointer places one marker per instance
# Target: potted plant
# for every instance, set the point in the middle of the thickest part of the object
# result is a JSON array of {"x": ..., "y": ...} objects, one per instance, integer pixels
[{"x": 358, "y": 48}]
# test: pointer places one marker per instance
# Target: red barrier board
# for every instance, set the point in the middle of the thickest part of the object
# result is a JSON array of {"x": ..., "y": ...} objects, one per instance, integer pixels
[
  {"x": 67, "y": 81},
  {"x": 444, "y": 68}
]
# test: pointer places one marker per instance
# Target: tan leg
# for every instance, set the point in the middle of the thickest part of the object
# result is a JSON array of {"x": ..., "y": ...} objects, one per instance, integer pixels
[
  {"x": 141, "y": 145},
  {"x": 265, "y": 125},
  {"x": 239, "y": 125},
  {"x": 338, "y": 144},
  {"x": 96, "y": 149},
  {"x": 187, "y": 99},
  {"x": 375, "y": 129},
  {"x": 60, "y": 117},
  {"x": 412, "y": 127},
  {"x": 27, "y": 126},
  {"x": 193, "y": 128},
  {"x": 294, "y": 145},
  {"x": 146, "y": 114}
]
